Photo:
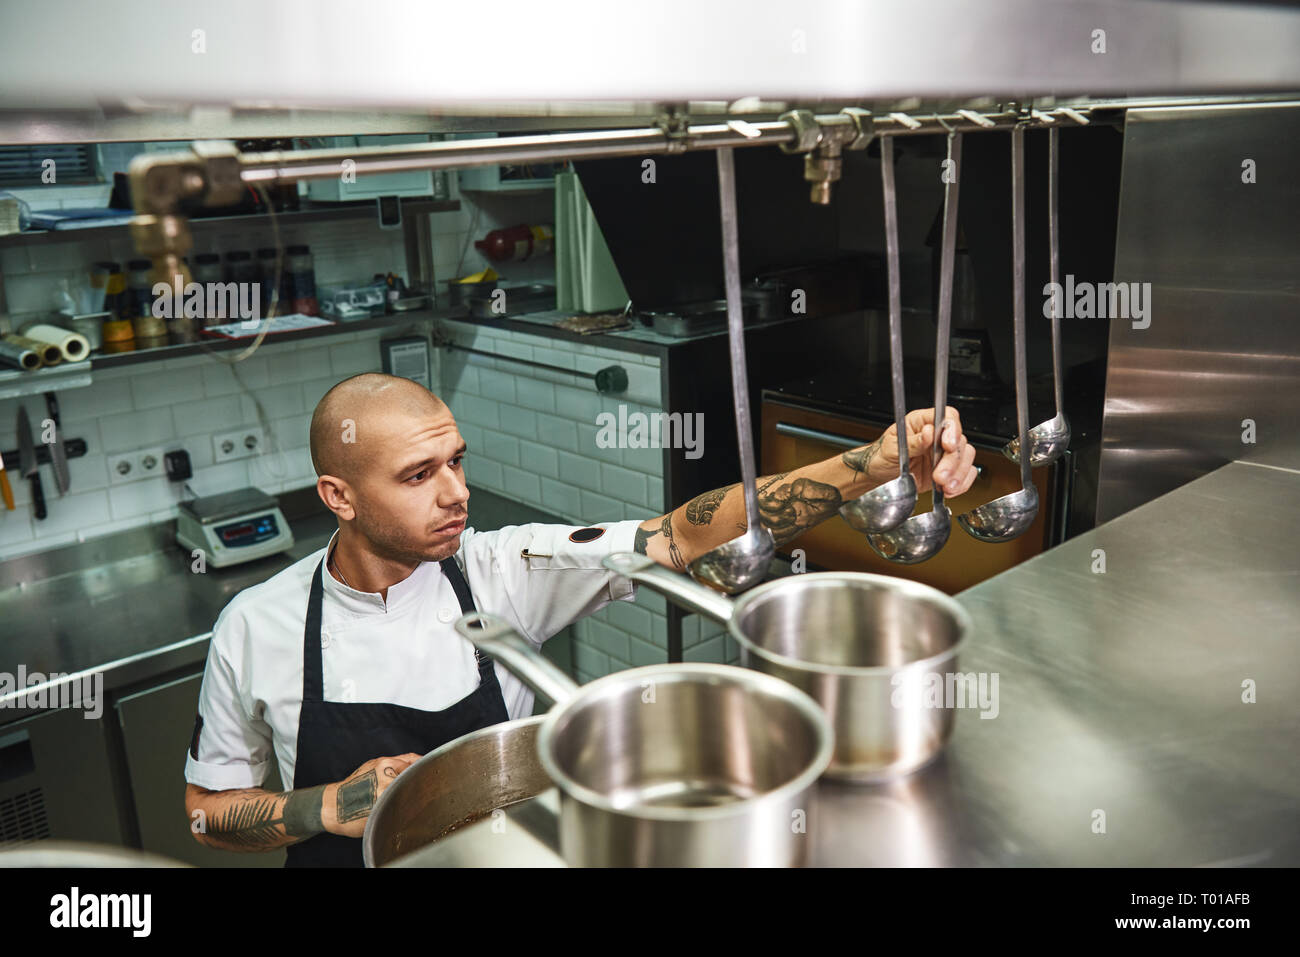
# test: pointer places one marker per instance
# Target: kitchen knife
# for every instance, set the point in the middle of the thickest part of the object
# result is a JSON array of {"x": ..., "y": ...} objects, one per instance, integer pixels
[
  {"x": 27, "y": 461},
  {"x": 5, "y": 490},
  {"x": 58, "y": 454}
]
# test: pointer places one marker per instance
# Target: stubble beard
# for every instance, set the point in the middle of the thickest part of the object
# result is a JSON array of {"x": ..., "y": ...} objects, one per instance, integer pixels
[{"x": 395, "y": 546}]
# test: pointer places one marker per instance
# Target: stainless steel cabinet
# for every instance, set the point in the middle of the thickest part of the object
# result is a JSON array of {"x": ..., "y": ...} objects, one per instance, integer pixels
[
  {"x": 156, "y": 729},
  {"x": 57, "y": 783}
]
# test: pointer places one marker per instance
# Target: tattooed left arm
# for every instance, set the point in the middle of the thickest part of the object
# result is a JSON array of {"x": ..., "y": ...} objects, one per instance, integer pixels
[{"x": 790, "y": 503}]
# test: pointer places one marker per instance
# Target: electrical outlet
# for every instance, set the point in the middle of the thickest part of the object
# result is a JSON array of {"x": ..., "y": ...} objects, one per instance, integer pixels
[
  {"x": 149, "y": 463},
  {"x": 241, "y": 444},
  {"x": 124, "y": 467}
]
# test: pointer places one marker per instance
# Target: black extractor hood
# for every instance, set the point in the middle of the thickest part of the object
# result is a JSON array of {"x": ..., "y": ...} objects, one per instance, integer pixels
[{"x": 662, "y": 222}]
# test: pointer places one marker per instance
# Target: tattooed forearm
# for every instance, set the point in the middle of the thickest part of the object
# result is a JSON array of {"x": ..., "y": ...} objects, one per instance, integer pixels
[
  {"x": 699, "y": 510},
  {"x": 250, "y": 824},
  {"x": 792, "y": 508},
  {"x": 674, "y": 553},
  {"x": 268, "y": 820},
  {"x": 641, "y": 542},
  {"x": 860, "y": 459},
  {"x": 356, "y": 797}
]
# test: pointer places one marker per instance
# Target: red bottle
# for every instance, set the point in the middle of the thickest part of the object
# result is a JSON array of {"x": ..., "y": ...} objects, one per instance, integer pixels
[{"x": 517, "y": 243}]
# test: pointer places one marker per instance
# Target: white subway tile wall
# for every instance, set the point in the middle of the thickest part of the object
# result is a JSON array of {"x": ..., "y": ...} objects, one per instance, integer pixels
[
  {"x": 532, "y": 435},
  {"x": 177, "y": 403}
]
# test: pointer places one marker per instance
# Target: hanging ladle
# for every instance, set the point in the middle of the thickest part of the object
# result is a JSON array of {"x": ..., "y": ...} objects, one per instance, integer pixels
[
  {"x": 921, "y": 536},
  {"x": 742, "y": 562},
  {"x": 1048, "y": 440},
  {"x": 1009, "y": 516},
  {"x": 888, "y": 505}
]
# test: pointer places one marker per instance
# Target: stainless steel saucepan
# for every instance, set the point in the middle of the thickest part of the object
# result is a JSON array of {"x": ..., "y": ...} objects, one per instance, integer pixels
[
  {"x": 453, "y": 786},
  {"x": 672, "y": 765},
  {"x": 865, "y": 647}
]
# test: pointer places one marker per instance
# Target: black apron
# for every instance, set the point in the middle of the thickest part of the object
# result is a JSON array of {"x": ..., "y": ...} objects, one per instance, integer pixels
[{"x": 336, "y": 738}]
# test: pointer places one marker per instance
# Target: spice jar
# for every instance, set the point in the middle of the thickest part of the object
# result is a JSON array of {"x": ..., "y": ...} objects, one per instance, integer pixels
[
  {"x": 302, "y": 280},
  {"x": 207, "y": 270}
]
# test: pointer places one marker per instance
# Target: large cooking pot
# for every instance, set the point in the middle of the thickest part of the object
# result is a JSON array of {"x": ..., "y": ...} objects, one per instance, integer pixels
[
  {"x": 672, "y": 765},
  {"x": 453, "y": 786},
  {"x": 866, "y": 647}
]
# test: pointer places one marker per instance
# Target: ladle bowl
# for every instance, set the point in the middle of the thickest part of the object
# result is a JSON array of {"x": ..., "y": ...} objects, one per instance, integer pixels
[
  {"x": 1003, "y": 518},
  {"x": 1047, "y": 442},
  {"x": 917, "y": 539},
  {"x": 738, "y": 564},
  {"x": 884, "y": 507}
]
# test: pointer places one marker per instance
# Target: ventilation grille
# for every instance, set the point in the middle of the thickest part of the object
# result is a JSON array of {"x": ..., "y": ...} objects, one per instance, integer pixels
[
  {"x": 22, "y": 819},
  {"x": 21, "y": 165}
]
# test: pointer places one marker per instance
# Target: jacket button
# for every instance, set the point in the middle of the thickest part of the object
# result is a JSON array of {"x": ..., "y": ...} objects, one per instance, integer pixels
[{"x": 446, "y": 615}]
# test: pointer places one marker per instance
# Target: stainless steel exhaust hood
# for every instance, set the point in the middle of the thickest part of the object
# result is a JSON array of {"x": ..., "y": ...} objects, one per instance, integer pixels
[{"x": 592, "y": 57}]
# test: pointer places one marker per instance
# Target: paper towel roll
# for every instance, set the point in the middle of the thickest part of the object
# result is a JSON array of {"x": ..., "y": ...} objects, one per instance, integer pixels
[{"x": 73, "y": 345}]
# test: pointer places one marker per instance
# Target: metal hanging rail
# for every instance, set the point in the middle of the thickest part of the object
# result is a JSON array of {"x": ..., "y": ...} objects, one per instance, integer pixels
[
  {"x": 215, "y": 173},
  {"x": 800, "y": 129}
]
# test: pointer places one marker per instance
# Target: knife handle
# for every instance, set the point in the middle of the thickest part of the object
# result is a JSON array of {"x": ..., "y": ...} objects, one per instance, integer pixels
[
  {"x": 5, "y": 490},
  {"x": 38, "y": 496}
]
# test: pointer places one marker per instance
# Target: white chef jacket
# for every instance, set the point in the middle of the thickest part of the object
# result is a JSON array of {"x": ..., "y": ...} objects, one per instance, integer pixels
[{"x": 404, "y": 650}]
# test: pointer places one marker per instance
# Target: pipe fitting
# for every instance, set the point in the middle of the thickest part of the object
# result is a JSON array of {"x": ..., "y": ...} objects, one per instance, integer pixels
[
  {"x": 808, "y": 132},
  {"x": 219, "y": 162},
  {"x": 822, "y": 168},
  {"x": 864, "y": 126},
  {"x": 165, "y": 240}
]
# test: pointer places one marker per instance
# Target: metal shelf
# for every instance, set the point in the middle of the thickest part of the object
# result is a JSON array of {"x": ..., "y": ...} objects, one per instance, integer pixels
[
  {"x": 316, "y": 212},
  {"x": 118, "y": 359},
  {"x": 15, "y": 383}
]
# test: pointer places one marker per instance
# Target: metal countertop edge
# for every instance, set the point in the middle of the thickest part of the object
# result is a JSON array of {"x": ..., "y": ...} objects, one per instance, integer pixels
[{"x": 67, "y": 679}]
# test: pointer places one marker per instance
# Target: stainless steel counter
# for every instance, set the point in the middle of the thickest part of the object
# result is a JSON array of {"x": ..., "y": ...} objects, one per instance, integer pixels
[
  {"x": 1120, "y": 693},
  {"x": 126, "y": 605}
]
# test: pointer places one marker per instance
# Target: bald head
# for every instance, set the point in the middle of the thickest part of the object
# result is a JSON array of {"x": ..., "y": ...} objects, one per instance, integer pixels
[{"x": 355, "y": 417}]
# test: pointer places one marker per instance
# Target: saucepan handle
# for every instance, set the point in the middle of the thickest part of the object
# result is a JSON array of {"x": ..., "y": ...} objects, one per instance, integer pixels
[
  {"x": 495, "y": 637},
  {"x": 679, "y": 589}
]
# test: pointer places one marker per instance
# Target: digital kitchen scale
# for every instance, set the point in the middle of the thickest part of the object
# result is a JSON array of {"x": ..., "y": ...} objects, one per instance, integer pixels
[{"x": 233, "y": 527}]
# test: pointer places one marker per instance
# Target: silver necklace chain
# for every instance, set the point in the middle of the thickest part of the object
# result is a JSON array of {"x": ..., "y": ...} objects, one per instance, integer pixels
[{"x": 335, "y": 563}]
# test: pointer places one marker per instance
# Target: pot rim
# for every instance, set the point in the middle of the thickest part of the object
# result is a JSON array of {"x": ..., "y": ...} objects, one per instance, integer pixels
[
  {"x": 909, "y": 588},
  {"x": 751, "y": 680},
  {"x": 367, "y": 836}
]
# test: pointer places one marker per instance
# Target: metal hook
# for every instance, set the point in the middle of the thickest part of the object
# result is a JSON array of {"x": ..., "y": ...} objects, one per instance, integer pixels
[
  {"x": 906, "y": 120},
  {"x": 976, "y": 118}
]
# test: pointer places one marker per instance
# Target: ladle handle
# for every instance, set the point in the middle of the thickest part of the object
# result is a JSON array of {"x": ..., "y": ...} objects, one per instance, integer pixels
[
  {"x": 1054, "y": 240},
  {"x": 1018, "y": 295},
  {"x": 678, "y": 589},
  {"x": 895, "y": 298},
  {"x": 498, "y": 639},
  {"x": 736, "y": 334},
  {"x": 948, "y": 255}
]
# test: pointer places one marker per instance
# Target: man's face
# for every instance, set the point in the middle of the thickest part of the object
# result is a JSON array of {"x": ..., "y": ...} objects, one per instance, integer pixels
[{"x": 412, "y": 504}]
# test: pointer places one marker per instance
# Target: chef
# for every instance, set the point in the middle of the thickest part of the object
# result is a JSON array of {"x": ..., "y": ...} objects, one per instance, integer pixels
[{"x": 346, "y": 664}]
